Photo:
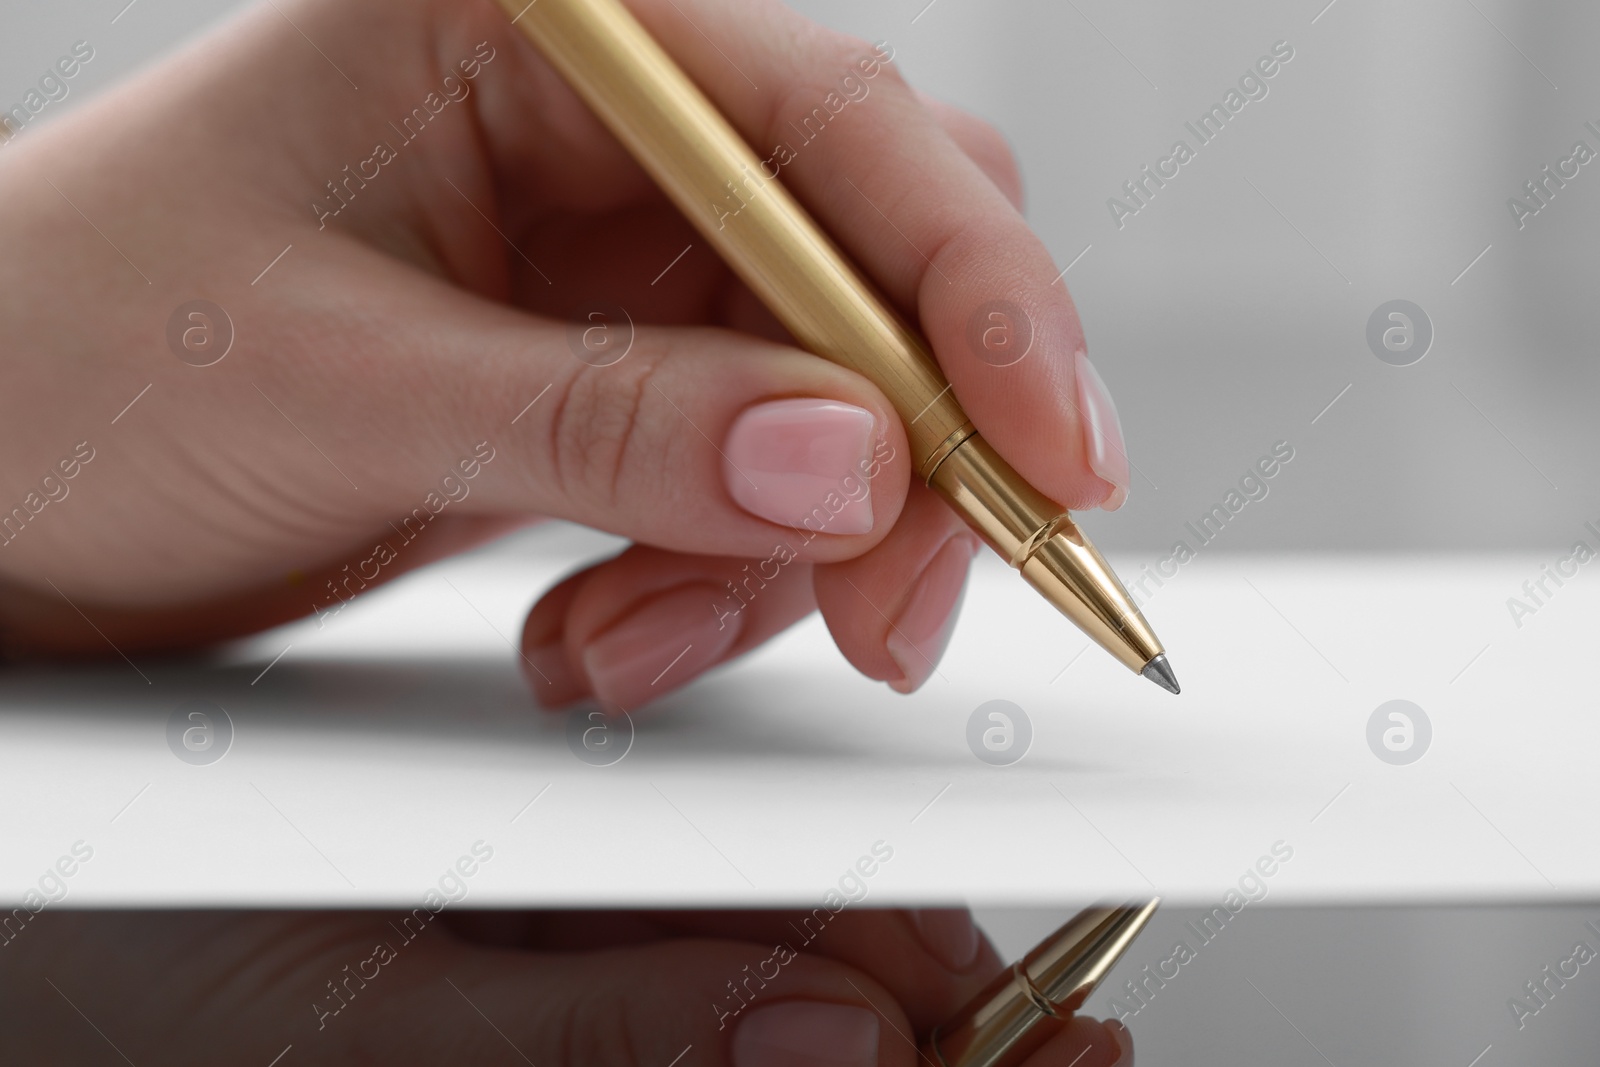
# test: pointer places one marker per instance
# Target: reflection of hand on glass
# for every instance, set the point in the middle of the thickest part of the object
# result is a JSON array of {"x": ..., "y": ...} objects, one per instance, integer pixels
[
  {"x": 740, "y": 988},
  {"x": 399, "y": 360}
]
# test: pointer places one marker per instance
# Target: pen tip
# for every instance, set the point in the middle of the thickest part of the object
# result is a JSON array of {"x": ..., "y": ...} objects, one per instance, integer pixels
[{"x": 1159, "y": 671}]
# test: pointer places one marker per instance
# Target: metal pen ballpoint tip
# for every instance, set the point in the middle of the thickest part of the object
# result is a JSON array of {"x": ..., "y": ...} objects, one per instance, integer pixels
[
  {"x": 1159, "y": 671},
  {"x": 1035, "y": 997}
]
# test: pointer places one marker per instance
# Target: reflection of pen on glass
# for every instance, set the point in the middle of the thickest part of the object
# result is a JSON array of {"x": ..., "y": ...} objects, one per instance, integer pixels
[
  {"x": 699, "y": 160},
  {"x": 1030, "y": 1002}
]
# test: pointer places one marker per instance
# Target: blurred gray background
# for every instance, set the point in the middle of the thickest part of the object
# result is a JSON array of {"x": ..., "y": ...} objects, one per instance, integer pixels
[
  {"x": 1232, "y": 309},
  {"x": 1227, "y": 315}
]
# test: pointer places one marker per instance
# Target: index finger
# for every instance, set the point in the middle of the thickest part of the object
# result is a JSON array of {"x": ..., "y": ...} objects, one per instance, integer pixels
[{"x": 852, "y": 141}]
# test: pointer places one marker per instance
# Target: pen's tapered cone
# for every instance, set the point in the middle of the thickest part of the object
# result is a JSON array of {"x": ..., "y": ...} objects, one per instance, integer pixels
[
  {"x": 1032, "y": 1001},
  {"x": 1037, "y": 537}
]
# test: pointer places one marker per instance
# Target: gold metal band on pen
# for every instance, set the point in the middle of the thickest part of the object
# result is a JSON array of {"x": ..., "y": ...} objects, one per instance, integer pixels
[
  {"x": 1026, "y": 549},
  {"x": 1040, "y": 1001},
  {"x": 957, "y": 438}
]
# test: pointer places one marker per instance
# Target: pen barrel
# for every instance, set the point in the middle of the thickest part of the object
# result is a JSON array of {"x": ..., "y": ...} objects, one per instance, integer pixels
[{"x": 760, "y": 230}]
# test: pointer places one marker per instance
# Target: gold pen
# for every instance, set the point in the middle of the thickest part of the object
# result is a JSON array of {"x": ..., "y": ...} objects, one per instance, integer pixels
[
  {"x": 780, "y": 252},
  {"x": 1029, "y": 1003}
]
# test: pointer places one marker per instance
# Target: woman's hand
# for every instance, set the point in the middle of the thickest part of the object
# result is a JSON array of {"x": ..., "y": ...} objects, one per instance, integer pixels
[
  {"x": 400, "y": 211},
  {"x": 673, "y": 989}
]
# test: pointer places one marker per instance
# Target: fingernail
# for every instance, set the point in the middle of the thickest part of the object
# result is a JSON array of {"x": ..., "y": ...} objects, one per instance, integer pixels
[
  {"x": 801, "y": 1033},
  {"x": 1124, "y": 1042},
  {"x": 949, "y": 935},
  {"x": 551, "y": 677},
  {"x": 659, "y": 645},
  {"x": 801, "y": 462},
  {"x": 920, "y": 633},
  {"x": 1102, "y": 432}
]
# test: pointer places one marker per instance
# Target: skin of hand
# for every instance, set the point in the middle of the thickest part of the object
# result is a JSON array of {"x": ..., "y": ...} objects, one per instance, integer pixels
[
  {"x": 558, "y": 989},
  {"x": 403, "y": 212}
]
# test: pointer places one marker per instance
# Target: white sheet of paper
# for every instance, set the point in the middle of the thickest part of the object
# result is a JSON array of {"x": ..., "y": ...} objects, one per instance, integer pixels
[{"x": 373, "y": 754}]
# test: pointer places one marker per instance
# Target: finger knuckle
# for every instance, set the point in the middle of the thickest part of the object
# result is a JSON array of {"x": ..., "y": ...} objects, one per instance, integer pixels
[
  {"x": 599, "y": 440},
  {"x": 837, "y": 65},
  {"x": 992, "y": 145},
  {"x": 985, "y": 145}
]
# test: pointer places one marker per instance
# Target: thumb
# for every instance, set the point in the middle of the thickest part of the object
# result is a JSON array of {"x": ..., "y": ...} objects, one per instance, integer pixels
[
  {"x": 691, "y": 439},
  {"x": 707, "y": 1003},
  {"x": 341, "y": 988}
]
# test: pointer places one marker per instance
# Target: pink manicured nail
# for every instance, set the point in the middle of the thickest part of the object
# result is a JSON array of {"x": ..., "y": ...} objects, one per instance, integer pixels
[
  {"x": 800, "y": 1033},
  {"x": 949, "y": 935},
  {"x": 659, "y": 645},
  {"x": 918, "y": 636},
  {"x": 551, "y": 677},
  {"x": 1102, "y": 432},
  {"x": 801, "y": 462}
]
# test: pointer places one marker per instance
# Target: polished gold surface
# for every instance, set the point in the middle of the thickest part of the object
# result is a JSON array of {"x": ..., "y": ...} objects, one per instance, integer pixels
[
  {"x": 955, "y": 440},
  {"x": 770, "y": 241},
  {"x": 1028, "y": 1004},
  {"x": 1037, "y": 537}
]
